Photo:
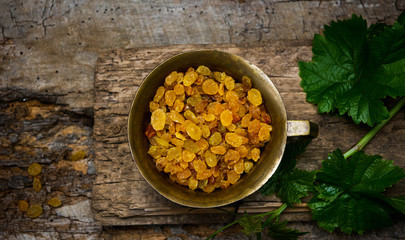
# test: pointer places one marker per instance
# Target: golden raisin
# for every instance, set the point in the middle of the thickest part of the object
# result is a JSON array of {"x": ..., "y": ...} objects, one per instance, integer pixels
[
  {"x": 231, "y": 156},
  {"x": 178, "y": 89},
  {"x": 78, "y": 155},
  {"x": 209, "y": 188},
  {"x": 162, "y": 142},
  {"x": 255, "y": 154},
  {"x": 233, "y": 177},
  {"x": 159, "y": 94},
  {"x": 189, "y": 115},
  {"x": 180, "y": 77},
  {"x": 186, "y": 173},
  {"x": 221, "y": 150},
  {"x": 240, "y": 132},
  {"x": 214, "y": 108},
  {"x": 199, "y": 166},
  {"x": 253, "y": 138},
  {"x": 153, "y": 106},
  {"x": 190, "y": 78},
  {"x": 23, "y": 205},
  {"x": 210, "y": 159},
  {"x": 158, "y": 119},
  {"x": 231, "y": 96},
  {"x": 34, "y": 169},
  {"x": 246, "y": 83},
  {"x": 254, "y": 97},
  {"x": 242, "y": 111},
  {"x": 173, "y": 153},
  {"x": 248, "y": 166},
  {"x": 193, "y": 184},
  {"x": 229, "y": 83},
  {"x": 226, "y": 118},
  {"x": 219, "y": 76},
  {"x": 161, "y": 163},
  {"x": 233, "y": 139},
  {"x": 231, "y": 127},
  {"x": 194, "y": 131},
  {"x": 180, "y": 136},
  {"x": 191, "y": 146},
  {"x": 204, "y": 174},
  {"x": 200, "y": 106},
  {"x": 37, "y": 185},
  {"x": 178, "y": 105},
  {"x": 187, "y": 156},
  {"x": 171, "y": 78},
  {"x": 154, "y": 151},
  {"x": 264, "y": 133},
  {"x": 203, "y": 70},
  {"x": 255, "y": 112},
  {"x": 54, "y": 202},
  {"x": 209, "y": 117},
  {"x": 150, "y": 132},
  {"x": 34, "y": 211},
  {"x": 210, "y": 87},
  {"x": 189, "y": 90},
  {"x": 246, "y": 120},
  {"x": 224, "y": 184},
  {"x": 205, "y": 131},
  {"x": 266, "y": 118},
  {"x": 170, "y": 97},
  {"x": 194, "y": 100},
  {"x": 176, "y": 116},
  {"x": 234, "y": 107},
  {"x": 239, "y": 167},
  {"x": 243, "y": 151},
  {"x": 203, "y": 144},
  {"x": 221, "y": 89},
  {"x": 215, "y": 139},
  {"x": 254, "y": 126}
]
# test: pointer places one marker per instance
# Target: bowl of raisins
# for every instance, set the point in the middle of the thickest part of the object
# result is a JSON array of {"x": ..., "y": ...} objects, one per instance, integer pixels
[{"x": 207, "y": 128}]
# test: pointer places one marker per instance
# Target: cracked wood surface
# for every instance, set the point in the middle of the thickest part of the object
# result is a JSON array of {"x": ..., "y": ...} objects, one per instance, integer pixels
[
  {"x": 48, "y": 56},
  {"x": 55, "y": 43},
  {"x": 120, "y": 194}
]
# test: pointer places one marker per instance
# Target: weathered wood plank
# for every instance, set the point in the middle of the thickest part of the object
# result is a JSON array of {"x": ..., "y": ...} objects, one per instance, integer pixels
[
  {"x": 121, "y": 196},
  {"x": 35, "y": 132}
]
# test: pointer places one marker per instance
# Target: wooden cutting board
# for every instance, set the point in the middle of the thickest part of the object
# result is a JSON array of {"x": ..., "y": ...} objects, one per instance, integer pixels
[{"x": 121, "y": 196}]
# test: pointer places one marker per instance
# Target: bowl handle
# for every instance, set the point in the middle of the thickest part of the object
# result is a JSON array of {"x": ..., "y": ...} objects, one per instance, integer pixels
[{"x": 302, "y": 128}]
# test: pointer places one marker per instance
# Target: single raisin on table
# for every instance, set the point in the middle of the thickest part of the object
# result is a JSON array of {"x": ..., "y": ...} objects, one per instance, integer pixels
[
  {"x": 54, "y": 202},
  {"x": 34, "y": 211},
  {"x": 34, "y": 169}
]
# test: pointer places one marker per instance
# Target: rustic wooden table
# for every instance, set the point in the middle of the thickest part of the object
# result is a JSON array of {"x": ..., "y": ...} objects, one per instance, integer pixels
[{"x": 69, "y": 70}]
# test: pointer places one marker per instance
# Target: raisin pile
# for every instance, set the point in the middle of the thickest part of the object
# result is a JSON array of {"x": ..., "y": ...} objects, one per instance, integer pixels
[{"x": 206, "y": 129}]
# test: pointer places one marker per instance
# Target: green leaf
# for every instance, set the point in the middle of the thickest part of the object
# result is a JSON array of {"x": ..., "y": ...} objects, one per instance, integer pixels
[
  {"x": 250, "y": 224},
  {"x": 278, "y": 230},
  {"x": 354, "y": 67},
  {"x": 295, "y": 185},
  {"x": 288, "y": 183},
  {"x": 397, "y": 202},
  {"x": 349, "y": 192}
]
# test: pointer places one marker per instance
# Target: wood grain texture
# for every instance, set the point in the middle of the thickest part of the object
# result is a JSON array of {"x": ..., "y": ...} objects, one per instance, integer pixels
[
  {"x": 48, "y": 134},
  {"x": 122, "y": 197},
  {"x": 49, "y": 44}
]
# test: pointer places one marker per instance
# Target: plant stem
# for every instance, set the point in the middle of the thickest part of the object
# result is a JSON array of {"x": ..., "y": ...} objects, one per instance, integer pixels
[
  {"x": 366, "y": 139},
  {"x": 275, "y": 213}
]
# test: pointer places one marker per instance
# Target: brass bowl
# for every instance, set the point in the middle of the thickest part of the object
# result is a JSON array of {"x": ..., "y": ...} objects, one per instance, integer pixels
[{"x": 236, "y": 67}]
